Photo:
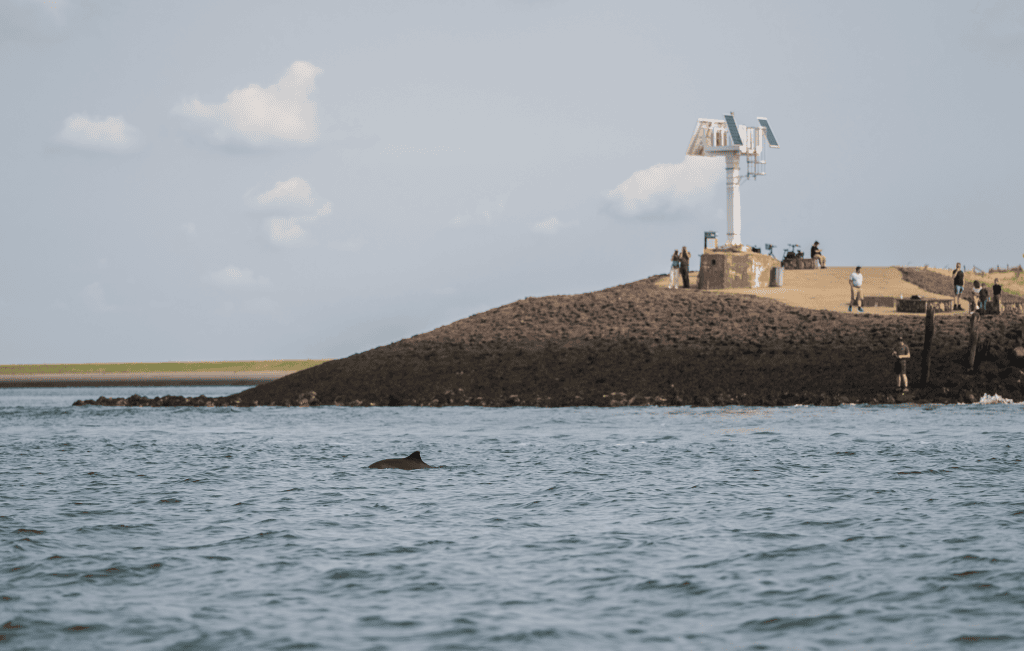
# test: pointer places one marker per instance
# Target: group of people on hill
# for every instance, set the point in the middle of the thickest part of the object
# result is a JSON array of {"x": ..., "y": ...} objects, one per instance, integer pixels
[
  {"x": 680, "y": 267},
  {"x": 980, "y": 297}
]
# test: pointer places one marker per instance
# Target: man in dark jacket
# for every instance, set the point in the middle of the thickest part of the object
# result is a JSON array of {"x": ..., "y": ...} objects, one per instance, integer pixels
[{"x": 902, "y": 353}]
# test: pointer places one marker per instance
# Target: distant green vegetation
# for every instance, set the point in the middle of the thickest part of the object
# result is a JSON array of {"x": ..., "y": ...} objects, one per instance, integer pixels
[{"x": 284, "y": 365}]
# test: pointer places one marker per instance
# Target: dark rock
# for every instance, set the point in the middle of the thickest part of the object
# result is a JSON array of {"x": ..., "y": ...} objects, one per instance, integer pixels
[{"x": 638, "y": 344}]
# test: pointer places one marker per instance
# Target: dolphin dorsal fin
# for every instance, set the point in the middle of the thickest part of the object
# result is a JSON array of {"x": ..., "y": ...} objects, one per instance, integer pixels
[{"x": 415, "y": 456}]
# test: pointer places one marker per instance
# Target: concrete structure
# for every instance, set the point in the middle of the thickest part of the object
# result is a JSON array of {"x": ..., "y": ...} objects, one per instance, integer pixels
[
  {"x": 734, "y": 270},
  {"x": 920, "y": 305},
  {"x": 879, "y": 301}
]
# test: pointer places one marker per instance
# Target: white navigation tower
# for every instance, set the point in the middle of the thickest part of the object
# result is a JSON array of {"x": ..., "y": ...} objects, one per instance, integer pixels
[{"x": 726, "y": 138}]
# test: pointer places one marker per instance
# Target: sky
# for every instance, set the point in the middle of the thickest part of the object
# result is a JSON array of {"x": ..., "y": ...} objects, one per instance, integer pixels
[{"x": 227, "y": 180}]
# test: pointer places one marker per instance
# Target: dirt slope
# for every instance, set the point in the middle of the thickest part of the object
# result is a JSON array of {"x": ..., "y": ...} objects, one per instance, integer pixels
[{"x": 941, "y": 282}]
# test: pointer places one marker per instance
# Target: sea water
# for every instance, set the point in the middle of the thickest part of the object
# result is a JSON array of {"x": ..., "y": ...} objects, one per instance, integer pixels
[{"x": 888, "y": 527}]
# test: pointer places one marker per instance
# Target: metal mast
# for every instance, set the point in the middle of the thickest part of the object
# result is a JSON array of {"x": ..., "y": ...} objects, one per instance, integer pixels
[{"x": 726, "y": 138}]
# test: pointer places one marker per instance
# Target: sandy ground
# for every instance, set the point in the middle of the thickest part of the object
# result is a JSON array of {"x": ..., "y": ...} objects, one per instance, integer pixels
[{"x": 829, "y": 289}]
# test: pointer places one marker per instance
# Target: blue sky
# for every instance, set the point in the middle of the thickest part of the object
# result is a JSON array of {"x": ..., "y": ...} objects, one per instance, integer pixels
[{"x": 255, "y": 180}]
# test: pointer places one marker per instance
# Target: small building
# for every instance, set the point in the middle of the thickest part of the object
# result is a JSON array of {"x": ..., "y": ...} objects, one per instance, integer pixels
[{"x": 735, "y": 269}]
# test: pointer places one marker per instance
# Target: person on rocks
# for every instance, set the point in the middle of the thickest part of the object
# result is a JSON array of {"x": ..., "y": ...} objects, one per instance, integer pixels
[
  {"x": 684, "y": 267},
  {"x": 817, "y": 255},
  {"x": 997, "y": 291},
  {"x": 856, "y": 294},
  {"x": 958, "y": 287},
  {"x": 902, "y": 353},
  {"x": 673, "y": 272},
  {"x": 975, "y": 296}
]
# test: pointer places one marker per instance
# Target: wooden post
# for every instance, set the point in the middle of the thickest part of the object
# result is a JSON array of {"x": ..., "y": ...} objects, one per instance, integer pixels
[
  {"x": 926, "y": 354},
  {"x": 974, "y": 340}
]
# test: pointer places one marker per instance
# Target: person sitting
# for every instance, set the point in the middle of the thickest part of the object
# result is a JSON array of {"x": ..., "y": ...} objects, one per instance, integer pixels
[{"x": 817, "y": 255}]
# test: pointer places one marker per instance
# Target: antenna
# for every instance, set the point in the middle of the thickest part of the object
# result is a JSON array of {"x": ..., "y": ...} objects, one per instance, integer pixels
[{"x": 726, "y": 138}]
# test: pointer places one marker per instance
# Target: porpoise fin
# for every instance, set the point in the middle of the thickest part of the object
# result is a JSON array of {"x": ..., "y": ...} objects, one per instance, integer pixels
[{"x": 415, "y": 456}]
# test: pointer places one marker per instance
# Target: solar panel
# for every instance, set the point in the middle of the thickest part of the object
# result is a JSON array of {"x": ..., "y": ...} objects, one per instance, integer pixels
[
  {"x": 733, "y": 131},
  {"x": 772, "y": 142}
]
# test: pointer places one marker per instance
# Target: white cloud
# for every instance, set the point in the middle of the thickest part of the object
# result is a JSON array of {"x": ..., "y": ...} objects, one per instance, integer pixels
[
  {"x": 285, "y": 230},
  {"x": 294, "y": 192},
  {"x": 111, "y": 134},
  {"x": 232, "y": 277},
  {"x": 667, "y": 190},
  {"x": 548, "y": 226},
  {"x": 258, "y": 116},
  {"x": 292, "y": 203}
]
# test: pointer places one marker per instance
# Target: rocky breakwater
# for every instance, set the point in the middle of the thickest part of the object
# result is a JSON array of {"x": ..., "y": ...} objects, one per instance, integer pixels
[
  {"x": 166, "y": 401},
  {"x": 639, "y": 344}
]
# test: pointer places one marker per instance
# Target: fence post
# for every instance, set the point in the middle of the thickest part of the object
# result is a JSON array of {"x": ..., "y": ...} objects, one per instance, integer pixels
[
  {"x": 975, "y": 317},
  {"x": 926, "y": 354}
]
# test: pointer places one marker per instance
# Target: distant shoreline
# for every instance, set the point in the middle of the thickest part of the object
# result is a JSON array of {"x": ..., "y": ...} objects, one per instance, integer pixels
[
  {"x": 246, "y": 373},
  {"x": 139, "y": 379}
]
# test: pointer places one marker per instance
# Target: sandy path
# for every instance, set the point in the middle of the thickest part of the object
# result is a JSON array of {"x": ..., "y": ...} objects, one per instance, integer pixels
[{"x": 829, "y": 289}]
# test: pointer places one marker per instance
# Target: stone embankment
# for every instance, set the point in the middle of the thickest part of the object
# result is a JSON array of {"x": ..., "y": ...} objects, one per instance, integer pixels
[
  {"x": 639, "y": 344},
  {"x": 165, "y": 401}
]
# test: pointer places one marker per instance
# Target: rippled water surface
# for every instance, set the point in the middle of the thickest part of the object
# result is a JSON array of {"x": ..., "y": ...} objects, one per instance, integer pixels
[{"x": 726, "y": 528}]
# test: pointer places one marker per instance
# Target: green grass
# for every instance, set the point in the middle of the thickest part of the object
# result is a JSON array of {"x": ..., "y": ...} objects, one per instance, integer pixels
[{"x": 163, "y": 367}]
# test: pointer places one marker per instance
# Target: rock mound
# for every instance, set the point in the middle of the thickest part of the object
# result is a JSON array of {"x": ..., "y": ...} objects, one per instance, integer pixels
[{"x": 638, "y": 344}]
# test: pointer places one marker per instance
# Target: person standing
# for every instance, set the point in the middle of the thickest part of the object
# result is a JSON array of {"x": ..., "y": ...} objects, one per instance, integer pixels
[
  {"x": 975, "y": 297},
  {"x": 684, "y": 267},
  {"x": 673, "y": 273},
  {"x": 902, "y": 353},
  {"x": 856, "y": 294},
  {"x": 958, "y": 287},
  {"x": 983, "y": 300},
  {"x": 817, "y": 255},
  {"x": 997, "y": 290}
]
